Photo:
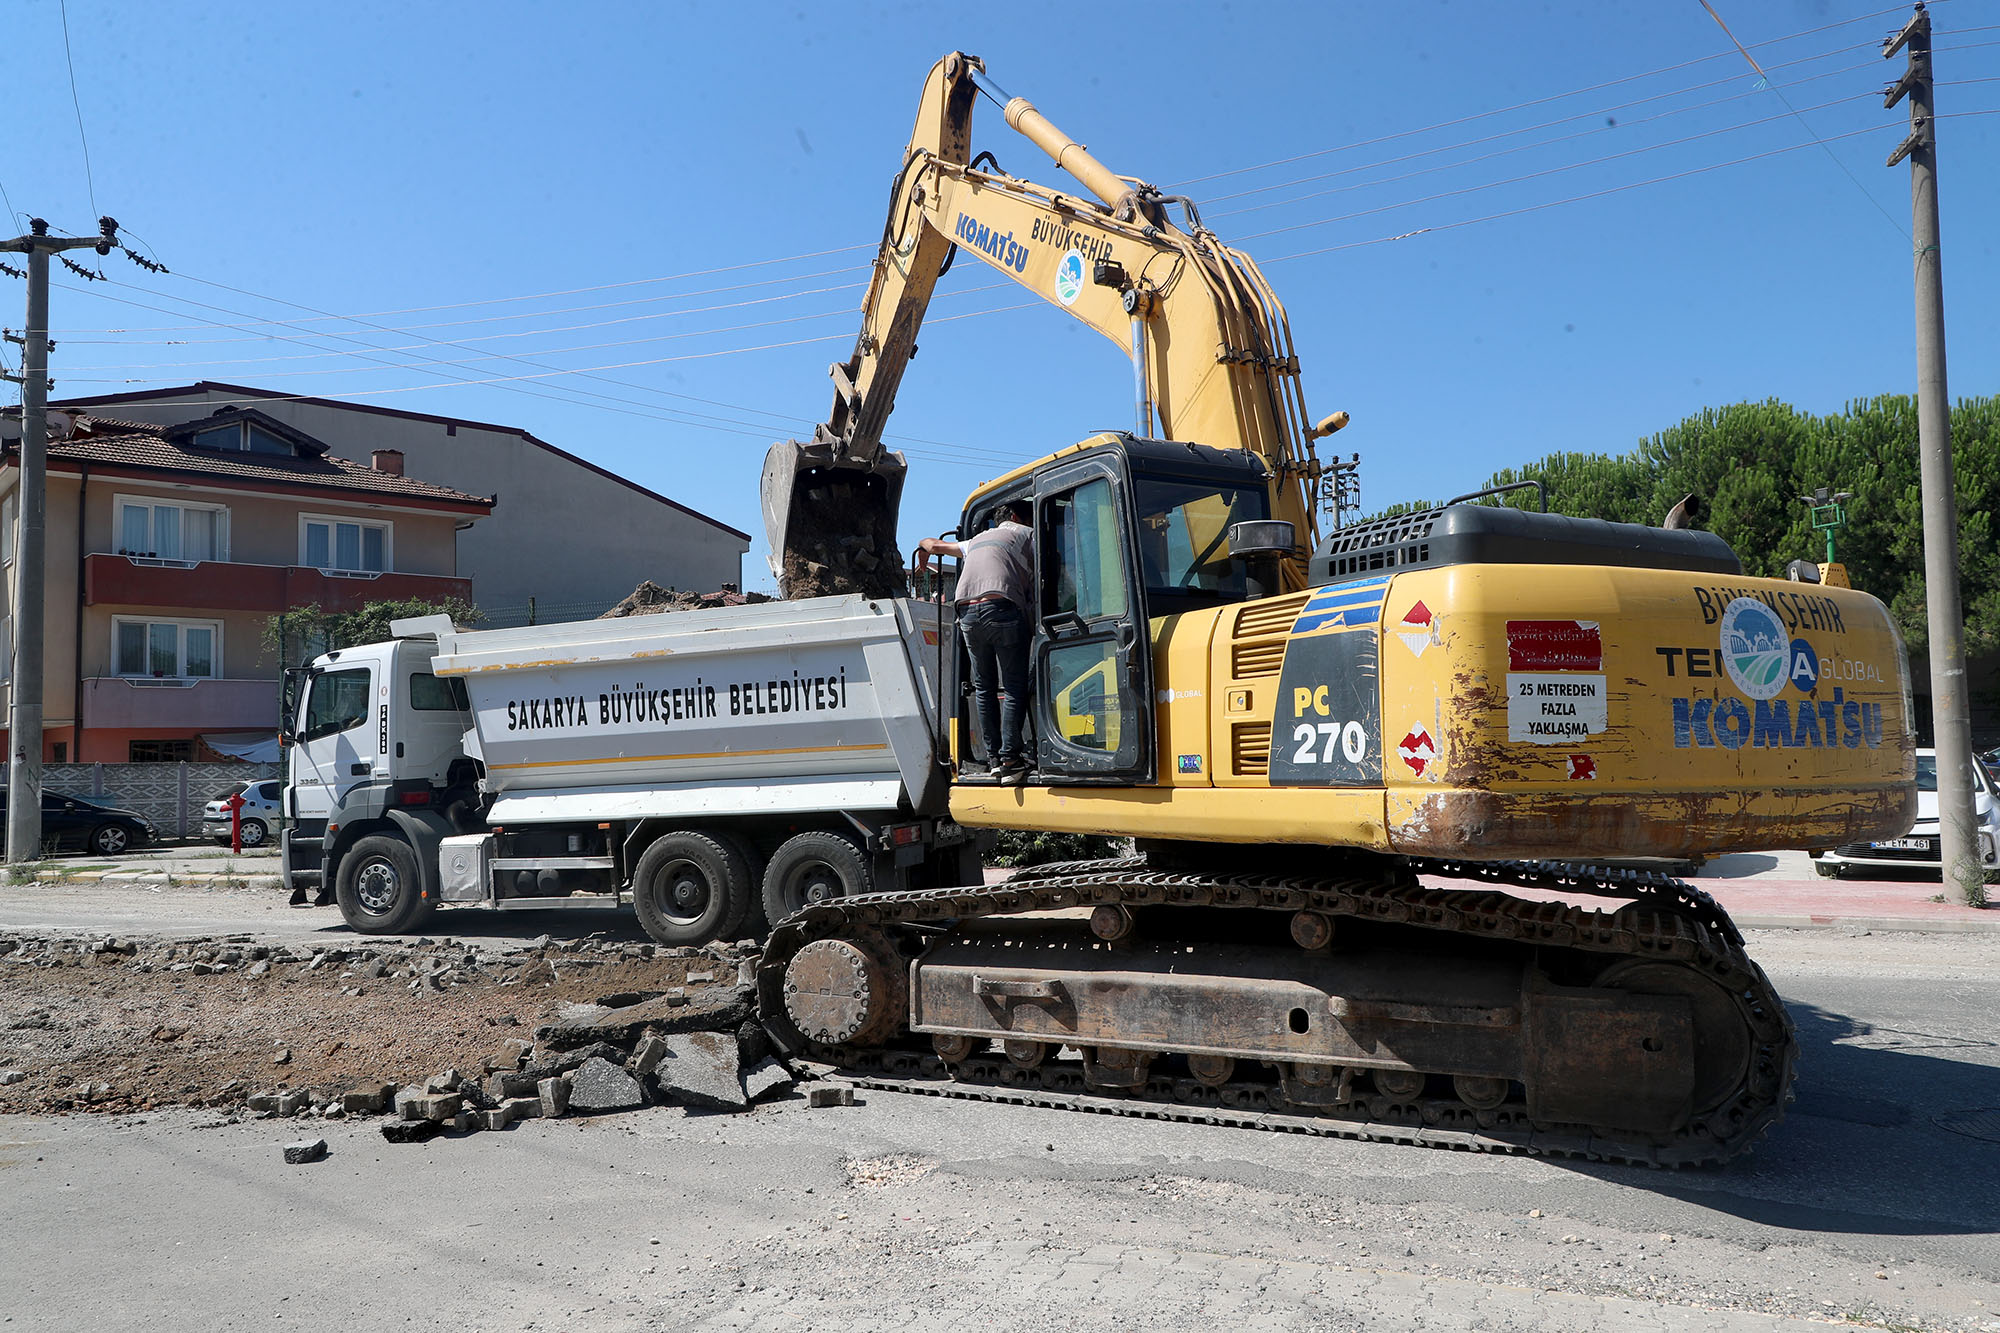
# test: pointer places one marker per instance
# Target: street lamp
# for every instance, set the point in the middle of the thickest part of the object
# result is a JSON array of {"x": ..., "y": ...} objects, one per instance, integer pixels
[{"x": 1828, "y": 516}]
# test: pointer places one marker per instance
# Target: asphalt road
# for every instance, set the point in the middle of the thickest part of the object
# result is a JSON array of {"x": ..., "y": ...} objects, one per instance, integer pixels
[{"x": 1877, "y": 1200}]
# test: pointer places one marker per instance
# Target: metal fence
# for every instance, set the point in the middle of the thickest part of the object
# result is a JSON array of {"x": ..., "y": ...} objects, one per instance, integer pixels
[{"x": 170, "y": 795}]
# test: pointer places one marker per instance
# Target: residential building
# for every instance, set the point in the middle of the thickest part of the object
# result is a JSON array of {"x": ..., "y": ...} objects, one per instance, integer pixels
[
  {"x": 567, "y": 534},
  {"x": 169, "y": 550}
]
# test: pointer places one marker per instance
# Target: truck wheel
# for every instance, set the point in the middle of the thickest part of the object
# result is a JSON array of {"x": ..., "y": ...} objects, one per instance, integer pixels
[
  {"x": 753, "y": 925},
  {"x": 810, "y": 868},
  {"x": 380, "y": 888},
  {"x": 689, "y": 888}
]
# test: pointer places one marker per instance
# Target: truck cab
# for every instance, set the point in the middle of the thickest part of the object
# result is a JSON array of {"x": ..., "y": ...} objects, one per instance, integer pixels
[{"x": 375, "y": 745}]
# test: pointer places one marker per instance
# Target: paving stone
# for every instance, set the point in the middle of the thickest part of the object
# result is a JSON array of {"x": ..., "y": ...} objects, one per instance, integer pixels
[
  {"x": 305, "y": 1150},
  {"x": 767, "y": 1078},
  {"x": 553, "y": 1093},
  {"x": 370, "y": 1100},
  {"x": 702, "y": 1069},
  {"x": 465, "y": 1122},
  {"x": 406, "y": 1103},
  {"x": 511, "y": 1055},
  {"x": 599, "y": 1086},
  {"x": 445, "y": 1081},
  {"x": 293, "y": 1102},
  {"x": 523, "y": 1108},
  {"x": 263, "y": 1103},
  {"x": 647, "y": 1054},
  {"x": 411, "y": 1131},
  {"x": 499, "y": 1117},
  {"x": 513, "y": 1083},
  {"x": 434, "y": 1106},
  {"x": 839, "y": 1095}
]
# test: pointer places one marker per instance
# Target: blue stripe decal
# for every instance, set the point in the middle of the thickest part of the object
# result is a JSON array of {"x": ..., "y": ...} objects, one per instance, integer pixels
[{"x": 1345, "y": 605}]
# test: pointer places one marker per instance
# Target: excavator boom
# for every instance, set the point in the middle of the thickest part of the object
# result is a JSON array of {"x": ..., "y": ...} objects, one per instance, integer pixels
[{"x": 1209, "y": 341}]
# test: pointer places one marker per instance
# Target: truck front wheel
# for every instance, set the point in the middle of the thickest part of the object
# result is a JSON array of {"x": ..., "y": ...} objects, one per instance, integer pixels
[
  {"x": 380, "y": 888},
  {"x": 689, "y": 888},
  {"x": 811, "y": 868}
]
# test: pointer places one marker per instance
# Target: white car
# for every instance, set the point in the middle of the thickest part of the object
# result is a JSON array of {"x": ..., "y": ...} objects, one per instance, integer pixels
[
  {"x": 1918, "y": 849},
  {"x": 261, "y": 809}
]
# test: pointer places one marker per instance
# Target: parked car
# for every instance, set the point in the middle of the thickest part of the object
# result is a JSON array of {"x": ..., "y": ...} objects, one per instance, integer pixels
[
  {"x": 261, "y": 807},
  {"x": 70, "y": 823},
  {"x": 1918, "y": 849}
]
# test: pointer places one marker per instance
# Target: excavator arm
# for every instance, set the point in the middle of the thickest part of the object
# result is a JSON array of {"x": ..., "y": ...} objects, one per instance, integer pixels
[{"x": 1209, "y": 341}]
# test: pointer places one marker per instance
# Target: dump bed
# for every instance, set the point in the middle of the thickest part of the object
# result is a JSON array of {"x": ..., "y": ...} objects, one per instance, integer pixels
[{"x": 822, "y": 703}]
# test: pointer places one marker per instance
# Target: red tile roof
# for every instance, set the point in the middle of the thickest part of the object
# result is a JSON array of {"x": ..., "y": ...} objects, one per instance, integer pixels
[{"x": 124, "y": 444}]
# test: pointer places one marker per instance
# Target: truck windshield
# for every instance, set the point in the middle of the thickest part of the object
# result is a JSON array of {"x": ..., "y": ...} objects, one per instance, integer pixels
[
  {"x": 1184, "y": 540},
  {"x": 339, "y": 700}
]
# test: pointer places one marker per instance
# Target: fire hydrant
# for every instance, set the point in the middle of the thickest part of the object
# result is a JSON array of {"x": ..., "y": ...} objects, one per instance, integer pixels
[{"x": 234, "y": 804}]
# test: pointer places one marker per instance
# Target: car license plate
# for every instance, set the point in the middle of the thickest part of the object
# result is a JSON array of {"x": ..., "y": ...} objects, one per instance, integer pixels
[{"x": 1903, "y": 845}]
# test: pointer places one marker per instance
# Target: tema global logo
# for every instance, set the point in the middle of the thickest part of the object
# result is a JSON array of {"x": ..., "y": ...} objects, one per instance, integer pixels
[
  {"x": 1069, "y": 278},
  {"x": 1755, "y": 648}
]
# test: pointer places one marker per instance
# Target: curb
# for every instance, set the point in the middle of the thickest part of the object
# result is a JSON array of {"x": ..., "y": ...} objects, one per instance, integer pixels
[{"x": 1951, "y": 925}]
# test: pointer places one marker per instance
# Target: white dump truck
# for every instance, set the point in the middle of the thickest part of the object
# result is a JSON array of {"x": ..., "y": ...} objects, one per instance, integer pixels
[{"x": 713, "y": 768}]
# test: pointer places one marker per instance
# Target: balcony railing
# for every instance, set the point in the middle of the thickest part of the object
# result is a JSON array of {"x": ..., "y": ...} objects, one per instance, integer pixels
[
  {"x": 210, "y": 705},
  {"x": 223, "y": 585}
]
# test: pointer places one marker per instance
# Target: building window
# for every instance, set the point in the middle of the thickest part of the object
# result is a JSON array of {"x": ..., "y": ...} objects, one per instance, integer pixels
[
  {"x": 9, "y": 508},
  {"x": 348, "y": 545},
  {"x": 154, "y": 529},
  {"x": 242, "y": 437},
  {"x": 161, "y": 752},
  {"x": 61, "y": 755},
  {"x": 167, "y": 649}
]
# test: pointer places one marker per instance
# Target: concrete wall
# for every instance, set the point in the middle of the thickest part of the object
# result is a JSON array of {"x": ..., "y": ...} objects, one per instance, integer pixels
[
  {"x": 171, "y": 795},
  {"x": 560, "y": 532}
]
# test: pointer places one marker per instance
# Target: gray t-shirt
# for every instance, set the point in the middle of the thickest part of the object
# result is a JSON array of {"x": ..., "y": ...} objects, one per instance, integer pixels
[{"x": 999, "y": 561}]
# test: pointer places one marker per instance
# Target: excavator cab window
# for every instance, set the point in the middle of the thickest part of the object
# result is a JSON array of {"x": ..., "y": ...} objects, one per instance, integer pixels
[{"x": 1184, "y": 540}]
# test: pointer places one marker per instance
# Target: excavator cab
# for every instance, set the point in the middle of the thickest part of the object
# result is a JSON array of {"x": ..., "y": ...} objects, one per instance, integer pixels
[{"x": 1127, "y": 532}]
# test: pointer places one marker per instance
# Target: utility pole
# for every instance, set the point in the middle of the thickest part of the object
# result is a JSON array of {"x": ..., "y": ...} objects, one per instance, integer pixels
[
  {"x": 24, "y": 713},
  {"x": 1951, "y": 718}
]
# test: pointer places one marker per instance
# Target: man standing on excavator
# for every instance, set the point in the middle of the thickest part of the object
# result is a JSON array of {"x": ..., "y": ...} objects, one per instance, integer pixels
[{"x": 995, "y": 605}]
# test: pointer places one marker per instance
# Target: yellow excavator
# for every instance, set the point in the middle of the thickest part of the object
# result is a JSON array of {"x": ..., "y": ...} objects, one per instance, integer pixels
[{"x": 1371, "y": 776}]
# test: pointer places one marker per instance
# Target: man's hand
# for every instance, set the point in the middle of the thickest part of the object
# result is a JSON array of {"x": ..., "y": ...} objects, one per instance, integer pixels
[{"x": 930, "y": 546}]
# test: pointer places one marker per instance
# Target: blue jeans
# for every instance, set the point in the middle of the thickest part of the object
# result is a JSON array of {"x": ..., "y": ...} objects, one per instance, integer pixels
[{"x": 996, "y": 639}]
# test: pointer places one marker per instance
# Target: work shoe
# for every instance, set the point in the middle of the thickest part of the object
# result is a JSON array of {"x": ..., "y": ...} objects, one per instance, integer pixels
[{"x": 1012, "y": 774}]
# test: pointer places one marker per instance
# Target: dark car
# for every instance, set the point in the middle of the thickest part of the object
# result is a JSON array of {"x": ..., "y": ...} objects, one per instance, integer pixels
[{"x": 70, "y": 823}]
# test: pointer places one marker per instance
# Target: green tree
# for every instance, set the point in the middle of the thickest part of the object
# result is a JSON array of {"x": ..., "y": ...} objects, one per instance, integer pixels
[{"x": 304, "y": 632}]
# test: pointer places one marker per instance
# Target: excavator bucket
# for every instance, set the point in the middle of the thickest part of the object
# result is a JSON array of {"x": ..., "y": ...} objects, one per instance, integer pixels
[{"x": 831, "y": 520}]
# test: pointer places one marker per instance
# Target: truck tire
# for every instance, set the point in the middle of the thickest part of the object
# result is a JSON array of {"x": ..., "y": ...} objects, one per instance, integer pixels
[
  {"x": 753, "y": 925},
  {"x": 380, "y": 888},
  {"x": 810, "y": 868},
  {"x": 689, "y": 888}
]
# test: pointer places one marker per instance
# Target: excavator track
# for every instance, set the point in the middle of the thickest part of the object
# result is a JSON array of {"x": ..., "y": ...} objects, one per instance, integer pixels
[{"x": 1665, "y": 930}]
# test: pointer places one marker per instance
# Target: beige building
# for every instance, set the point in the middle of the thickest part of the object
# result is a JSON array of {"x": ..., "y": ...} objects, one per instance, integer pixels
[
  {"x": 169, "y": 550},
  {"x": 567, "y": 534}
]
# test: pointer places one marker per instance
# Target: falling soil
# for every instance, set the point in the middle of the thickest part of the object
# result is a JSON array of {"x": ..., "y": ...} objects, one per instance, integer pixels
[
  {"x": 132, "y": 1025},
  {"x": 841, "y": 538}
]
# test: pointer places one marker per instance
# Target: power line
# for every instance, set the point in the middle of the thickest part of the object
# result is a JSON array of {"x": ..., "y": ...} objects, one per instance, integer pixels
[
  {"x": 1528, "y": 176},
  {"x": 1564, "y": 120},
  {"x": 1572, "y": 199},
  {"x": 1522, "y": 106},
  {"x": 1780, "y": 93},
  {"x": 1542, "y": 143},
  {"x": 70, "y": 60}
]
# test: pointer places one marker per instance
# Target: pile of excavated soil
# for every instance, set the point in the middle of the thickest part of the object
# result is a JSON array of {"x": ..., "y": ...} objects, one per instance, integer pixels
[
  {"x": 650, "y": 599},
  {"x": 135, "y": 1024}
]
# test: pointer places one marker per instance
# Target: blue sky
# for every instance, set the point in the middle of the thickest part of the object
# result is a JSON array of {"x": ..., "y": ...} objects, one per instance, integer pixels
[{"x": 670, "y": 210}]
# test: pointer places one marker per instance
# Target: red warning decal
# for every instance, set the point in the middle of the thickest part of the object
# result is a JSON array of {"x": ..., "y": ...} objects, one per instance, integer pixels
[
  {"x": 1554, "y": 645},
  {"x": 1415, "y": 630},
  {"x": 1417, "y": 750},
  {"x": 1582, "y": 766}
]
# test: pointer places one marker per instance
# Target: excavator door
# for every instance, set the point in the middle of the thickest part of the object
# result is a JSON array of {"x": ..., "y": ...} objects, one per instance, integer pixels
[{"x": 1091, "y": 659}]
